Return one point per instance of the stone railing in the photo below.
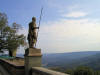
(44, 71)
(12, 69)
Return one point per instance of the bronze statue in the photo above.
(32, 36)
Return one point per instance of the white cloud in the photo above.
(23, 31)
(73, 7)
(75, 14)
(70, 35)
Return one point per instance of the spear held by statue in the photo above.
(39, 23)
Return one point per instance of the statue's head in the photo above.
(33, 19)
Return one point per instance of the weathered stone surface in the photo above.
(32, 59)
(3, 71)
(7, 68)
(11, 68)
(44, 71)
(33, 52)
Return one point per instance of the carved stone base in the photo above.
(33, 52)
(33, 58)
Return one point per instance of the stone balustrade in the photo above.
(13, 69)
(44, 71)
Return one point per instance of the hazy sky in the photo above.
(66, 26)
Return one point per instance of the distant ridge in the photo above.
(62, 59)
(90, 61)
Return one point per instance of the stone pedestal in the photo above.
(32, 59)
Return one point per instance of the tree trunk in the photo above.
(10, 53)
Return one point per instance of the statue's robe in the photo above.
(32, 34)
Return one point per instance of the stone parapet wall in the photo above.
(44, 71)
(11, 68)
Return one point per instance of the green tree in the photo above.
(3, 25)
(9, 37)
(83, 71)
(69, 71)
(14, 40)
(97, 73)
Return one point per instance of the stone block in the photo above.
(33, 58)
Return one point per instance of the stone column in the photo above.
(33, 58)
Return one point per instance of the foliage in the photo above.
(82, 70)
(9, 38)
(3, 25)
(69, 71)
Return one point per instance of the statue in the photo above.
(32, 36)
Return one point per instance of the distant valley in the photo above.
(73, 59)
